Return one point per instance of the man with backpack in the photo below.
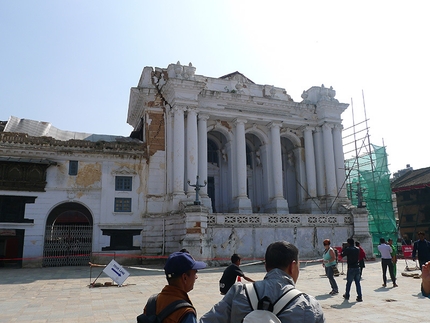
(275, 295)
(173, 305)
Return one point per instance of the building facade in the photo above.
(214, 165)
(412, 189)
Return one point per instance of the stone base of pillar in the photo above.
(195, 231)
(277, 206)
(310, 206)
(241, 205)
(361, 230)
(177, 201)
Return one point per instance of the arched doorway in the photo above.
(219, 172)
(68, 236)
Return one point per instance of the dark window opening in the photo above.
(73, 167)
(409, 217)
(12, 208)
(248, 157)
(212, 152)
(123, 183)
(211, 192)
(122, 204)
(121, 239)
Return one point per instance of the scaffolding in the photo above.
(368, 180)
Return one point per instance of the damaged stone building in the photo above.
(264, 166)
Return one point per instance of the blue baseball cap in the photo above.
(179, 263)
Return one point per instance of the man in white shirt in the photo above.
(386, 261)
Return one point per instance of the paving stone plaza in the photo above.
(62, 294)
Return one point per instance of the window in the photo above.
(73, 167)
(123, 183)
(212, 152)
(121, 239)
(122, 204)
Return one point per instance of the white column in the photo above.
(310, 162)
(329, 160)
(240, 158)
(178, 150)
(203, 152)
(275, 138)
(319, 156)
(339, 160)
(192, 151)
(300, 173)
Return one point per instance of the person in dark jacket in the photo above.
(231, 273)
(423, 248)
(353, 273)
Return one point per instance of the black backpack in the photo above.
(151, 317)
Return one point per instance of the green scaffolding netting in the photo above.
(368, 185)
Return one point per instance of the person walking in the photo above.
(386, 262)
(181, 274)
(282, 266)
(231, 273)
(329, 261)
(361, 258)
(393, 256)
(422, 246)
(353, 272)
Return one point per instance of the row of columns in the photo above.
(196, 149)
(324, 144)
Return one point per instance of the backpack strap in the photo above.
(251, 293)
(280, 305)
(151, 305)
(169, 309)
(285, 300)
(173, 307)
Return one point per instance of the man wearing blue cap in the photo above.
(181, 274)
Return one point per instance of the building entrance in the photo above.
(68, 236)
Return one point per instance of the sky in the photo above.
(72, 63)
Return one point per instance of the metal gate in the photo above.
(67, 245)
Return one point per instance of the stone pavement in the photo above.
(62, 294)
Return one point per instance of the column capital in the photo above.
(338, 126)
(274, 124)
(203, 117)
(328, 125)
(179, 109)
(239, 120)
(307, 128)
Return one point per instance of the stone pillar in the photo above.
(275, 138)
(178, 150)
(329, 160)
(240, 158)
(300, 173)
(192, 151)
(339, 160)
(278, 203)
(319, 156)
(242, 203)
(203, 152)
(310, 162)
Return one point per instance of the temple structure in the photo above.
(257, 149)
